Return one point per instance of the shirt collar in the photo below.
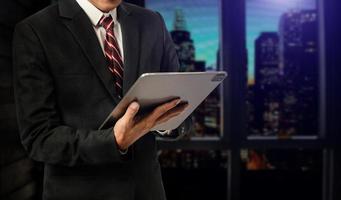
(94, 13)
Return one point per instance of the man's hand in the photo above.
(128, 128)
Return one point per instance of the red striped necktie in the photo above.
(112, 53)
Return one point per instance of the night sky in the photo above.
(202, 17)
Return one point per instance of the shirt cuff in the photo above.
(123, 152)
(164, 132)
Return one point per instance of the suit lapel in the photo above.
(131, 46)
(80, 26)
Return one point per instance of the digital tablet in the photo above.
(153, 89)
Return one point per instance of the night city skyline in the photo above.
(204, 28)
(261, 16)
(278, 37)
(184, 31)
(284, 99)
(264, 16)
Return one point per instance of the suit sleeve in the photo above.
(42, 132)
(170, 63)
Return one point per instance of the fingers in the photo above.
(172, 113)
(124, 137)
(162, 109)
(131, 111)
(165, 118)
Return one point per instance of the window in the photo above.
(194, 174)
(271, 48)
(283, 69)
(292, 173)
(194, 28)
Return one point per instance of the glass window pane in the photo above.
(283, 65)
(281, 174)
(196, 37)
(194, 174)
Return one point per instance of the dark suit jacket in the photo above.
(64, 91)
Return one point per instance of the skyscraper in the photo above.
(267, 94)
(299, 63)
(183, 42)
(207, 115)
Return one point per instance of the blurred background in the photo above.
(271, 131)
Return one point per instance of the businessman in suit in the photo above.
(73, 61)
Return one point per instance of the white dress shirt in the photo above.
(95, 15)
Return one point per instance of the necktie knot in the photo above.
(106, 22)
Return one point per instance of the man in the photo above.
(73, 61)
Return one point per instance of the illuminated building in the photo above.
(299, 63)
(267, 89)
(207, 115)
(183, 42)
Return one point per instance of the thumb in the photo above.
(131, 111)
